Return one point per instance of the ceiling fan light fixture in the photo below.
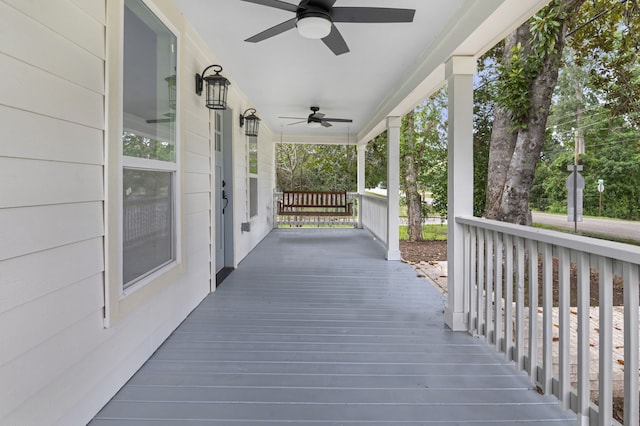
(314, 27)
(314, 124)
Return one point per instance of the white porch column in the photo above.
(459, 74)
(393, 187)
(362, 150)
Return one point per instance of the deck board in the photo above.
(315, 327)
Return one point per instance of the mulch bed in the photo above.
(430, 251)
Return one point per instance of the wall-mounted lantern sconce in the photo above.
(252, 122)
(171, 82)
(217, 87)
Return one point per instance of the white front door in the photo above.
(221, 192)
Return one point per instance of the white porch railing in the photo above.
(373, 211)
(498, 265)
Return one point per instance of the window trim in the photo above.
(120, 301)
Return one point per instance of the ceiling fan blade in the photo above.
(372, 14)
(273, 31)
(335, 42)
(325, 4)
(338, 120)
(293, 118)
(160, 120)
(275, 3)
(317, 115)
(171, 117)
(325, 124)
(297, 122)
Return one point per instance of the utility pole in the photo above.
(575, 187)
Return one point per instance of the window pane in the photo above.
(253, 197)
(147, 222)
(149, 85)
(253, 155)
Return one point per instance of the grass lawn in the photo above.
(429, 232)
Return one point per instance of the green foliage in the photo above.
(524, 63)
(484, 102)
(516, 79)
(612, 154)
(316, 167)
(134, 145)
(596, 99)
(608, 48)
(430, 150)
(376, 161)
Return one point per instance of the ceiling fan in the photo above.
(316, 18)
(317, 119)
(170, 118)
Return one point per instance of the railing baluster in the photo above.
(533, 310)
(508, 298)
(489, 286)
(497, 300)
(584, 379)
(474, 284)
(547, 319)
(630, 278)
(520, 256)
(482, 330)
(564, 267)
(605, 354)
(468, 286)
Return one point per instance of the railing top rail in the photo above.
(374, 197)
(610, 249)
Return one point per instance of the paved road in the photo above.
(617, 228)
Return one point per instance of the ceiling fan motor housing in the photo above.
(313, 21)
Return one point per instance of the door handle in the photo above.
(226, 200)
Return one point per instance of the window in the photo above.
(253, 176)
(149, 165)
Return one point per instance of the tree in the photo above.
(529, 68)
(376, 162)
(602, 71)
(606, 39)
(134, 145)
(483, 105)
(316, 167)
(423, 152)
(411, 152)
(290, 160)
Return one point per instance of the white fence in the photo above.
(373, 212)
(501, 259)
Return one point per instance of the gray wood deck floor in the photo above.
(316, 328)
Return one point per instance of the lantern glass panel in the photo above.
(252, 123)
(216, 92)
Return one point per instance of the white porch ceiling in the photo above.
(390, 68)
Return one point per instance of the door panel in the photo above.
(222, 197)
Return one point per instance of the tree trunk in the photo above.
(514, 154)
(410, 178)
